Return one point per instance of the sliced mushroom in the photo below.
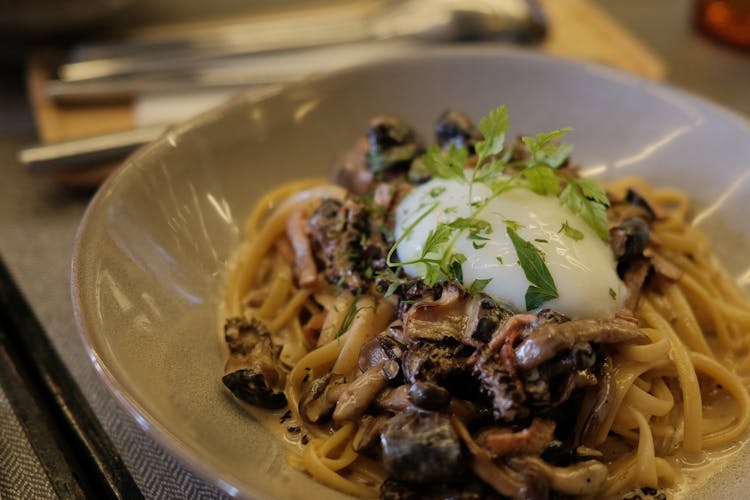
(583, 478)
(379, 350)
(437, 319)
(394, 399)
(318, 402)
(596, 405)
(253, 372)
(546, 340)
(358, 394)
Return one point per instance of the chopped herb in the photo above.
(437, 237)
(613, 294)
(542, 287)
(493, 127)
(448, 164)
(570, 231)
(478, 246)
(541, 240)
(478, 285)
(391, 289)
(437, 191)
(511, 224)
(588, 200)
(351, 312)
(456, 271)
(542, 179)
(499, 259)
(545, 150)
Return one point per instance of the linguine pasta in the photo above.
(680, 392)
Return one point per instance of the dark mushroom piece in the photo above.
(503, 389)
(346, 250)
(629, 238)
(485, 317)
(634, 198)
(429, 396)
(392, 145)
(253, 372)
(456, 128)
(421, 447)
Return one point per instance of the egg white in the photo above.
(584, 271)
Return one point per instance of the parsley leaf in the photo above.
(448, 164)
(542, 180)
(478, 285)
(542, 287)
(437, 237)
(456, 271)
(585, 198)
(613, 294)
(570, 231)
(545, 150)
(493, 128)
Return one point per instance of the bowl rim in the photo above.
(182, 450)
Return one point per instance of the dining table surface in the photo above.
(62, 433)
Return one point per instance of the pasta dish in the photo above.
(477, 320)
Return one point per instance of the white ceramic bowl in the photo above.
(152, 250)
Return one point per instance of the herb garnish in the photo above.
(351, 312)
(613, 294)
(478, 285)
(570, 231)
(542, 287)
(539, 172)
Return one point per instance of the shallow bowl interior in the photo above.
(153, 248)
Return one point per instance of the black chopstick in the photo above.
(69, 441)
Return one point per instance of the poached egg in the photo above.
(583, 269)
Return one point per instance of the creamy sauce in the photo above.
(583, 270)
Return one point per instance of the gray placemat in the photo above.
(38, 220)
(21, 474)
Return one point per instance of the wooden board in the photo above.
(578, 29)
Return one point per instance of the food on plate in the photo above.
(476, 319)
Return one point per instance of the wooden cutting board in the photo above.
(578, 29)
